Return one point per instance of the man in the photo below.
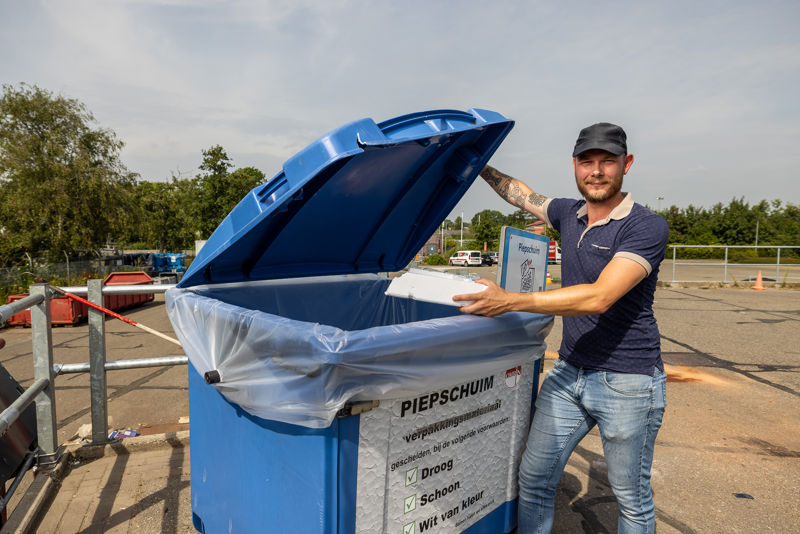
(609, 372)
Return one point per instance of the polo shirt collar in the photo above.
(620, 212)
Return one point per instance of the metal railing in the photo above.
(725, 263)
(42, 391)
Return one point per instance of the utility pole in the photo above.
(756, 231)
(461, 241)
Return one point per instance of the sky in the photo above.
(708, 92)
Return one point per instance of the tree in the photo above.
(486, 232)
(164, 219)
(494, 216)
(735, 224)
(786, 221)
(215, 162)
(519, 219)
(63, 186)
(220, 190)
(486, 228)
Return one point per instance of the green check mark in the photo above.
(409, 528)
(411, 476)
(410, 503)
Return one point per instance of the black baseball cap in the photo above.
(602, 136)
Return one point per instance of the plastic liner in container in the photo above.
(297, 350)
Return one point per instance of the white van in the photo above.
(466, 258)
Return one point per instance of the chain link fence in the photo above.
(15, 280)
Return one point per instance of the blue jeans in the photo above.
(627, 408)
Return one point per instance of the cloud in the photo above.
(706, 91)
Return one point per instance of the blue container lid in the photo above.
(363, 198)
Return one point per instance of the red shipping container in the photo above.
(65, 311)
(62, 311)
(123, 302)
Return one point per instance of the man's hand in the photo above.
(492, 301)
(619, 276)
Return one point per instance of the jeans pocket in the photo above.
(629, 384)
(660, 384)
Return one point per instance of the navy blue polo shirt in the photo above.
(625, 338)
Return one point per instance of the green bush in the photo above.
(697, 253)
(745, 255)
(435, 259)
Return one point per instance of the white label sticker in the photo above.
(526, 264)
(441, 461)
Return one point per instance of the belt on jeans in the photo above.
(579, 367)
(662, 371)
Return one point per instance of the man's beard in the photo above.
(615, 186)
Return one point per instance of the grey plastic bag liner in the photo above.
(297, 350)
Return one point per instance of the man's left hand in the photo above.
(492, 301)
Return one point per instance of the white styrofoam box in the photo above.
(433, 286)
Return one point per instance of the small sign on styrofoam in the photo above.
(433, 286)
(523, 260)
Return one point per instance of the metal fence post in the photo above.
(778, 268)
(674, 255)
(97, 363)
(725, 271)
(42, 336)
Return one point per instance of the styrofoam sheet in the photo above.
(433, 286)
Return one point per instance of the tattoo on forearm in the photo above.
(508, 188)
(516, 197)
(492, 176)
(502, 187)
(536, 199)
(498, 181)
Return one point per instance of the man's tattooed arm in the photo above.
(514, 191)
(536, 199)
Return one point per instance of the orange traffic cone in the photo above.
(759, 285)
(549, 280)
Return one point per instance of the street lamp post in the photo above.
(461, 241)
(756, 232)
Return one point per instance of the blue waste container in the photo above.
(169, 262)
(317, 402)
